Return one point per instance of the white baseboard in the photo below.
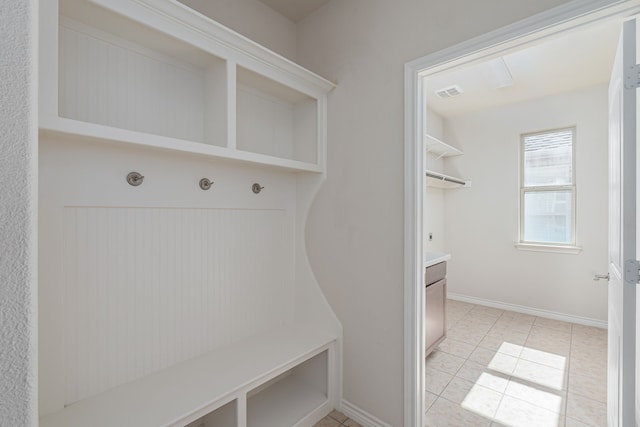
(361, 416)
(529, 310)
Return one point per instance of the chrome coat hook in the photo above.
(135, 178)
(256, 188)
(205, 183)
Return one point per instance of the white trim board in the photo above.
(361, 416)
(571, 15)
(530, 310)
(566, 17)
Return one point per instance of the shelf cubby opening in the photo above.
(291, 396)
(117, 73)
(275, 120)
(224, 416)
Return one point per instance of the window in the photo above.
(547, 188)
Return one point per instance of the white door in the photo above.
(622, 232)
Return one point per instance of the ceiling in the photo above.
(295, 10)
(564, 63)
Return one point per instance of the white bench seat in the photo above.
(197, 386)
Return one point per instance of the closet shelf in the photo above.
(56, 127)
(440, 180)
(439, 148)
(202, 384)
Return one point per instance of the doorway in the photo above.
(490, 47)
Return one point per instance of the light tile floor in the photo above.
(336, 419)
(501, 368)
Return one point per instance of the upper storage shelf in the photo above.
(274, 119)
(439, 148)
(155, 73)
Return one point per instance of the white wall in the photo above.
(18, 175)
(434, 220)
(434, 197)
(252, 19)
(355, 229)
(482, 221)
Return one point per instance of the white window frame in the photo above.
(549, 246)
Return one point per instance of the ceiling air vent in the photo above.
(448, 92)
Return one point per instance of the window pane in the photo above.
(548, 158)
(548, 216)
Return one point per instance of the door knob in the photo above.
(597, 277)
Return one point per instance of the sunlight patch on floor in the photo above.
(532, 390)
(498, 368)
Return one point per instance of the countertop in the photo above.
(432, 258)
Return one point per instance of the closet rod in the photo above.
(445, 178)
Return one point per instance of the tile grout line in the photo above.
(572, 335)
(476, 344)
(493, 417)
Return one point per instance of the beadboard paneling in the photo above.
(146, 288)
(116, 83)
(271, 123)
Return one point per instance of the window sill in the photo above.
(539, 247)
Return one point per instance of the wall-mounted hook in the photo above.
(205, 183)
(256, 188)
(134, 178)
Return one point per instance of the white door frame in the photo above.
(621, 372)
(568, 16)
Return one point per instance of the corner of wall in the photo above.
(18, 172)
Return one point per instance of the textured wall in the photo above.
(18, 386)
(355, 234)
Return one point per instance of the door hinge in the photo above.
(632, 77)
(632, 271)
